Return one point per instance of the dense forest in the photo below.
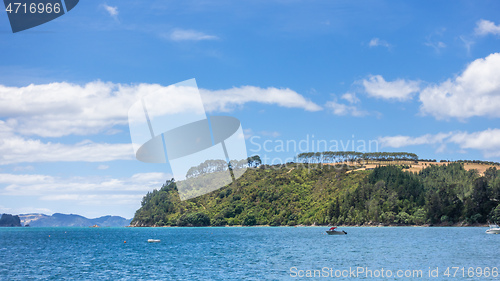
(9, 220)
(299, 194)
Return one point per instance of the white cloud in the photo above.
(102, 167)
(344, 109)
(189, 35)
(400, 89)
(83, 191)
(375, 42)
(95, 199)
(112, 11)
(488, 141)
(350, 97)
(16, 149)
(485, 27)
(401, 141)
(476, 92)
(24, 168)
(226, 100)
(45, 185)
(61, 109)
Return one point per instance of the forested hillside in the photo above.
(325, 194)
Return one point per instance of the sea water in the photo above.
(249, 253)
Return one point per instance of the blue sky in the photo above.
(416, 76)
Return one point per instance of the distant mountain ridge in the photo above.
(71, 220)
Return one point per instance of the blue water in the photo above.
(253, 253)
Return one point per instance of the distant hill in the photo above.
(9, 220)
(57, 219)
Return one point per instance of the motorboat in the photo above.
(154, 240)
(333, 231)
(494, 229)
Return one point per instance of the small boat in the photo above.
(494, 229)
(154, 240)
(332, 231)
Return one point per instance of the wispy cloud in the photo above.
(250, 133)
(436, 44)
(402, 141)
(85, 191)
(42, 185)
(272, 134)
(226, 100)
(375, 42)
(350, 97)
(487, 141)
(485, 27)
(16, 149)
(189, 35)
(112, 11)
(344, 109)
(467, 43)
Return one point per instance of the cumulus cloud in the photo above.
(485, 27)
(476, 92)
(400, 89)
(189, 35)
(375, 42)
(488, 141)
(60, 109)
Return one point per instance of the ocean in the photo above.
(249, 253)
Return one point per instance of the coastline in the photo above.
(340, 225)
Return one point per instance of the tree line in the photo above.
(218, 165)
(353, 156)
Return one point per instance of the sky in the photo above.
(413, 76)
